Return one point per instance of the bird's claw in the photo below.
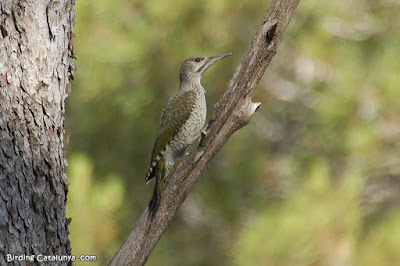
(203, 133)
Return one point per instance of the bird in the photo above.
(182, 121)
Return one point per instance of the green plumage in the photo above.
(181, 123)
(174, 116)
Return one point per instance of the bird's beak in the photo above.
(211, 61)
(219, 57)
(214, 59)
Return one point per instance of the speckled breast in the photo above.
(190, 131)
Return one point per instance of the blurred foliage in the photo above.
(92, 204)
(314, 179)
(318, 224)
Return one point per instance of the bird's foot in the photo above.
(203, 134)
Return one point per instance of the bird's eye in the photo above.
(197, 59)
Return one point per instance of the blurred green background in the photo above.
(314, 179)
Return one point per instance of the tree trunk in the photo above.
(231, 113)
(36, 51)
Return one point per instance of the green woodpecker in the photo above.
(181, 122)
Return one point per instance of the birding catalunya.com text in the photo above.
(47, 258)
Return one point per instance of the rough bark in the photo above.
(36, 65)
(232, 112)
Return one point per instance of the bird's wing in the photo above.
(174, 116)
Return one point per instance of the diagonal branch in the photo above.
(232, 112)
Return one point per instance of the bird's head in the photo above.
(194, 67)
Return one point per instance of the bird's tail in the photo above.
(159, 173)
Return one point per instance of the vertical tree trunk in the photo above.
(36, 50)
